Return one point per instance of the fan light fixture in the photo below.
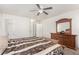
(32, 20)
(42, 9)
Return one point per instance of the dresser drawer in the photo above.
(67, 40)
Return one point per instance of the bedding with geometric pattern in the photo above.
(33, 46)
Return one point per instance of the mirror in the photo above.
(63, 25)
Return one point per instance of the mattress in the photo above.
(33, 47)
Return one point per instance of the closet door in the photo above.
(17, 28)
(9, 28)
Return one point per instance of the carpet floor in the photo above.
(68, 51)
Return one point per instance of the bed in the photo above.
(33, 46)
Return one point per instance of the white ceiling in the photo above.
(24, 9)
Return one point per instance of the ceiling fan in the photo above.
(41, 9)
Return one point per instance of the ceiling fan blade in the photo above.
(38, 13)
(47, 8)
(45, 12)
(33, 10)
(38, 6)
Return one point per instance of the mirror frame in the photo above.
(63, 21)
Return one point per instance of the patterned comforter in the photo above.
(36, 46)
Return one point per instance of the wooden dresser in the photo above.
(64, 39)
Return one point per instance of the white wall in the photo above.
(2, 26)
(45, 28)
(15, 26)
(49, 25)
